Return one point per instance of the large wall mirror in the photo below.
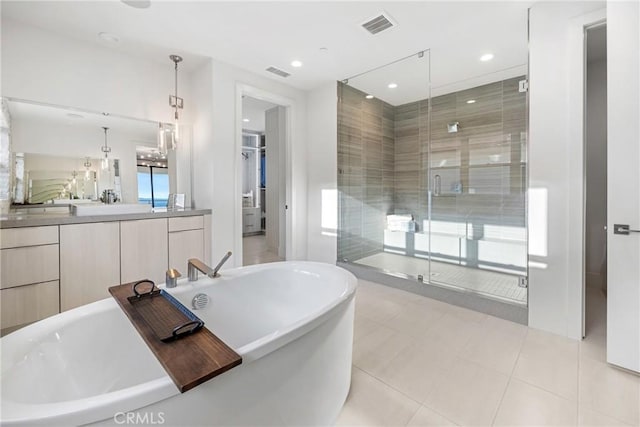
(54, 154)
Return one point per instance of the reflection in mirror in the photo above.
(153, 176)
(57, 154)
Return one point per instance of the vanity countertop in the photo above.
(14, 220)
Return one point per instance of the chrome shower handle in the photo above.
(437, 185)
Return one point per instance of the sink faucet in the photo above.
(194, 265)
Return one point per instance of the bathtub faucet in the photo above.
(194, 265)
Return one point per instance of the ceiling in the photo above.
(257, 35)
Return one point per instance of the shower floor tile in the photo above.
(501, 285)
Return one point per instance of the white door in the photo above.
(623, 205)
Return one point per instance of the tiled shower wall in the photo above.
(365, 172)
(384, 156)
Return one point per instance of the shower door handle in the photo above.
(623, 229)
(437, 185)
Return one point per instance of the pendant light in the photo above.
(106, 150)
(177, 103)
(87, 165)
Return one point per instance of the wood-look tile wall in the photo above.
(365, 172)
(384, 157)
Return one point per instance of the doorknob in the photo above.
(623, 229)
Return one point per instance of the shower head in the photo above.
(453, 127)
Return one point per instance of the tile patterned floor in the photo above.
(487, 282)
(255, 251)
(421, 362)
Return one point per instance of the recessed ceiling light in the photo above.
(369, 96)
(75, 116)
(245, 120)
(296, 63)
(138, 4)
(486, 57)
(324, 49)
(471, 101)
(109, 37)
(392, 85)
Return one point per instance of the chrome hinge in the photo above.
(523, 85)
(523, 282)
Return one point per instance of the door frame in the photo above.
(288, 104)
(576, 177)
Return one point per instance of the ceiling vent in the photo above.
(378, 24)
(278, 72)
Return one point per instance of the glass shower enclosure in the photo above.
(432, 181)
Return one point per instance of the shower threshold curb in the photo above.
(514, 312)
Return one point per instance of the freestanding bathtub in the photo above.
(292, 323)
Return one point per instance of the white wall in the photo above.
(322, 109)
(596, 177)
(42, 66)
(217, 130)
(555, 235)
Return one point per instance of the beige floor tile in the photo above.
(400, 296)
(610, 391)
(427, 417)
(255, 251)
(378, 309)
(539, 343)
(363, 326)
(594, 346)
(550, 372)
(467, 315)
(451, 331)
(527, 405)
(373, 403)
(377, 349)
(497, 346)
(415, 319)
(587, 417)
(417, 369)
(596, 311)
(468, 394)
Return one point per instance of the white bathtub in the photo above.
(292, 323)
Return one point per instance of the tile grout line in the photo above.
(493, 421)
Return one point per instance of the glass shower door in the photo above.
(477, 183)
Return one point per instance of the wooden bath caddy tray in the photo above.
(161, 320)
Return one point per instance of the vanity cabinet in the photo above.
(48, 269)
(186, 240)
(144, 250)
(89, 262)
(29, 275)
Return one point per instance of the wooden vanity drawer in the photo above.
(186, 223)
(28, 236)
(31, 264)
(26, 304)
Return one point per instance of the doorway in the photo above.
(595, 215)
(264, 129)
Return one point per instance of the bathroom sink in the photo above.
(112, 209)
